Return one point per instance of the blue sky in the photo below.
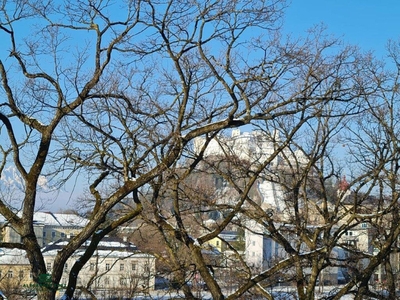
(367, 23)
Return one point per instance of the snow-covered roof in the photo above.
(55, 219)
(109, 244)
(59, 219)
(115, 254)
(106, 243)
(110, 247)
(13, 257)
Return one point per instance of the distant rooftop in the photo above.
(59, 219)
(13, 257)
(113, 246)
(107, 243)
(55, 219)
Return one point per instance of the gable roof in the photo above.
(13, 257)
(109, 244)
(55, 219)
(59, 219)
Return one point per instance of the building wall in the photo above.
(121, 271)
(216, 243)
(112, 270)
(9, 235)
(55, 233)
(251, 146)
(15, 273)
(254, 250)
(261, 251)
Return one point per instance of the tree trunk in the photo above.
(46, 294)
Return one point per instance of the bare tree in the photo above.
(114, 95)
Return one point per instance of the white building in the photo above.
(261, 251)
(252, 146)
(257, 148)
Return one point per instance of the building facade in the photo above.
(49, 227)
(116, 268)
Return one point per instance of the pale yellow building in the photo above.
(117, 268)
(15, 272)
(49, 227)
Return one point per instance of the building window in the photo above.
(66, 267)
(121, 267)
(91, 267)
(352, 243)
(146, 268)
(44, 233)
(253, 243)
(10, 274)
(62, 234)
(364, 225)
(53, 234)
(106, 281)
(21, 274)
(217, 243)
(133, 267)
(122, 281)
(48, 266)
(107, 267)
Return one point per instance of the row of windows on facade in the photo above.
(10, 274)
(108, 266)
(122, 281)
(53, 234)
(53, 237)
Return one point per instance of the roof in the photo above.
(13, 257)
(55, 219)
(108, 244)
(229, 236)
(59, 219)
(109, 247)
